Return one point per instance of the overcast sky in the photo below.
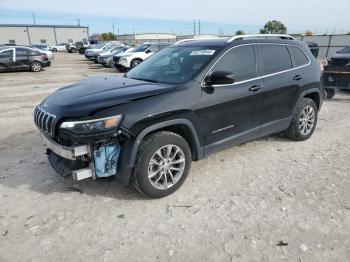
(297, 15)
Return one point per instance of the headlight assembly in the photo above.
(92, 126)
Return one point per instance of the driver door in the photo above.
(231, 114)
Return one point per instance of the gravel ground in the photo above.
(267, 200)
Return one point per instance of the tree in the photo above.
(240, 32)
(107, 36)
(274, 27)
(309, 33)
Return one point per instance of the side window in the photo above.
(161, 47)
(240, 61)
(6, 54)
(299, 57)
(22, 52)
(153, 48)
(275, 58)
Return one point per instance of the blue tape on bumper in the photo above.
(106, 161)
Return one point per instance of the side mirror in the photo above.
(338, 52)
(219, 78)
(148, 51)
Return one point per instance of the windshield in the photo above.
(174, 65)
(141, 48)
(346, 50)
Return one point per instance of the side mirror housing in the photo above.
(220, 78)
(148, 51)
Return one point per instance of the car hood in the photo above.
(95, 93)
(107, 54)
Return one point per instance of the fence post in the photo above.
(329, 44)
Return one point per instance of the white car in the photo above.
(137, 55)
(59, 48)
(44, 49)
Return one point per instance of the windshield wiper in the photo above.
(146, 80)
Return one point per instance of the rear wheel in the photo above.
(36, 66)
(163, 163)
(304, 121)
(54, 49)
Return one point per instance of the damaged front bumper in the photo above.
(83, 161)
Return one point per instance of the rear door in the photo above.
(281, 86)
(23, 58)
(231, 113)
(7, 58)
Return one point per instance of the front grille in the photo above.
(116, 59)
(44, 120)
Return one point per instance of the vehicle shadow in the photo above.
(24, 165)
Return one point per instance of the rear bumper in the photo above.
(336, 80)
(46, 63)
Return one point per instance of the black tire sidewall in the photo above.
(132, 64)
(330, 93)
(147, 151)
(304, 103)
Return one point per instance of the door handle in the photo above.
(255, 88)
(298, 77)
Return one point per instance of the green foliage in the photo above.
(309, 33)
(274, 27)
(107, 36)
(240, 32)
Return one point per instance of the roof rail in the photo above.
(193, 39)
(278, 36)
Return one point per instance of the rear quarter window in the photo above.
(275, 58)
(299, 56)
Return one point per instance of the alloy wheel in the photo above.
(307, 120)
(36, 67)
(166, 167)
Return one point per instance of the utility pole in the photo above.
(113, 31)
(194, 27)
(199, 26)
(78, 22)
(34, 18)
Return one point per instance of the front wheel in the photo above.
(135, 63)
(36, 67)
(304, 121)
(163, 163)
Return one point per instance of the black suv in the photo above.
(337, 72)
(181, 104)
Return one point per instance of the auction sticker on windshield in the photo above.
(203, 52)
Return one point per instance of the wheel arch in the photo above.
(182, 127)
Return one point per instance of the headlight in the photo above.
(92, 126)
(123, 61)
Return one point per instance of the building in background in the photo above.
(135, 39)
(42, 34)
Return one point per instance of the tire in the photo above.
(330, 93)
(36, 66)
(304, 121)
(156, 183)
(135, 63)
(54, 49)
